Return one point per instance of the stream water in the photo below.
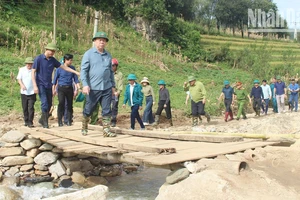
(141, 185)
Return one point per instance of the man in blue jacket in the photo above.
(258, 96)
(134, 96)
(98, 82)
(293, 100)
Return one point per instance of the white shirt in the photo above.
(25, 76)
(131, 93)
(266, 91)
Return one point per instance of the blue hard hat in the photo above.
(161, 82)
(131, 77)
(226, 82)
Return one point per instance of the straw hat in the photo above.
(145, 80)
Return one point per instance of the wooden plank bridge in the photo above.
(153, 148)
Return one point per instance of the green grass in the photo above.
(135, 54)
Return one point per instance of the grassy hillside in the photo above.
(24, 36)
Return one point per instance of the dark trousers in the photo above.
(135, 115)
(65, 94)
(148, 116)
(114, 108)
(160, 108)
(95, 97)
(45, 95)
(197, 108)
(265, 106)
(228, 103)
(256, 104)
(28, 107)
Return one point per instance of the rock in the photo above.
(41, 167)
(66, 183)
(46, 147)
(41, 173)
(7, 193)
(38, 179)
(55, 176)
(16, 160)
(68, 172)
(11, 172)
(68, 154)
(26, 167)
(77, 165)
(8, 144)
(31, 143)
(95, 161)
(82, 156)
(9, 181)
(128, 169)
(78, 177)
(1, 174)
(177, 176)
(13, 136)
(99, 192)
(65, 177)
(111, 171)
(32, 152)
(47, 185)
(57, 168)
(57, 150)
(12, 151)
(46, 158)
(92, 181)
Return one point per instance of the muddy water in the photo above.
(143, 185)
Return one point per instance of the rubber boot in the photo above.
(226, 116)
(106, 128)
(41, 120)
(46, 118)
(85, 122)
(171, 122)
(113, 122)
(207, 117)
(156, 120)
(59, 117)
(194, 121)
(258, 113)
(231, 116)
(69, 116)
(200, 119)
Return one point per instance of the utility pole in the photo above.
(95, 24)
(54, 21)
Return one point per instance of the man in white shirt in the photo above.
(27, 93)
(267, 96)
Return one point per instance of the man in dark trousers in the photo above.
(65, 90)
(42, 70)
(258, 97)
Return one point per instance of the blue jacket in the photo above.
(137, 96)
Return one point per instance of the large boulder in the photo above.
(7, 193)
(31, 143)
(98, 192)
(57, 168)
(13, 136)
(12, 151)
(77, 165)
(46, 158)
(177, 176)
(16, 160)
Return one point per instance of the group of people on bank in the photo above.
(102, 84)
(260, 97)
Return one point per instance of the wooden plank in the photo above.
(57, 140)
(199, 153)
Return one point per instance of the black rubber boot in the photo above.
(69, 115)
(59, 118)
(46, 117)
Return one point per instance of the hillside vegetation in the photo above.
(221, 58)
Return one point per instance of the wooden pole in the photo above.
(54, 21)
(95, 24)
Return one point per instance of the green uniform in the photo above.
(118, 81)
(241, 96)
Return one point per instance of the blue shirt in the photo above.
(96, 71)
(228, 92)
(257, 92)
(44, 68)
(65, 78)
(294, 87)
(279, 88)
